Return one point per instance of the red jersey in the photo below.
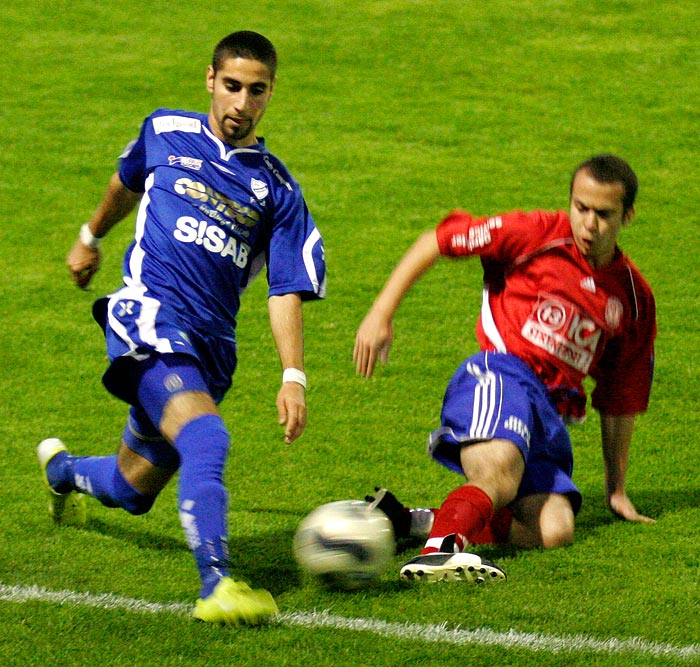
(544, 303)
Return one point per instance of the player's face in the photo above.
(240, 91)
(597, 214)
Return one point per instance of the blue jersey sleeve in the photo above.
(296, 257)
(132, 162)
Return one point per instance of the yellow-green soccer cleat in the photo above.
(235, 603)
(64, 508)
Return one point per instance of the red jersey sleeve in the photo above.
(501, 238)
(624, 372)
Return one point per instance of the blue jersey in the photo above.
(210, 216)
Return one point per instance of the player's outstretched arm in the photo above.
(616, 434)
(375, 335)
(84, 258)
(286, 323)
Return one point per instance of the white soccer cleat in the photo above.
(463, 567)
(64, 508)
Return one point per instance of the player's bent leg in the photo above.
(543, 520)
(493, 470)
(131, 480)
(101, 477)
(146, 478)
(146, 459)
(190, 420)
(202, 442)
(97, 476)
(65, 506)
(496, 467)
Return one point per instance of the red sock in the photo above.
(497, 531)
(465, 513)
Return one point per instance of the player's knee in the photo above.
(557, 534)
(130, 498)
(138, 504)
(203, 445)
(183, 409)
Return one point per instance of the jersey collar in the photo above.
(226, 152)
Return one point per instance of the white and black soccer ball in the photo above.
(346, 544)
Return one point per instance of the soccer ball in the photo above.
(345, 544)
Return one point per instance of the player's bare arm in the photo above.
(84, 258)
(375, 335)
(286, 323)
(616, 435)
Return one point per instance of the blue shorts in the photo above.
(138, 329)
(494, 395)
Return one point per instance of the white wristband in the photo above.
(88, 238)
(294, 375)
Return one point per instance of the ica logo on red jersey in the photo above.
(564, 331)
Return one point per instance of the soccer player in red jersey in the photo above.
(561, 302)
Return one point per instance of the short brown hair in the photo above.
(245, 44)
(608, 168)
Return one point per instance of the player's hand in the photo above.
(372, 342)
(83, 263)
(291, 408)
(622, 506)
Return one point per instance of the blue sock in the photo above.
(202, 499)
(99, 477)
(59, 472)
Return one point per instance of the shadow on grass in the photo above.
(143, 539)
(655, 504)
(266, 558)
(263, 559)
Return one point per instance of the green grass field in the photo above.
(389, 114)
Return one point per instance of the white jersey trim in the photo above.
(225, 154)
(488, 403)
(488, 323)
(307, 253)
(137, 253)
(146, 322)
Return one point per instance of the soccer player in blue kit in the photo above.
(214, 206)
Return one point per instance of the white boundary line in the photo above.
(438, 634)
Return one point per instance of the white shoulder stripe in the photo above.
(634, 292)
(307, 253)
(137, 253)
(488, 323)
